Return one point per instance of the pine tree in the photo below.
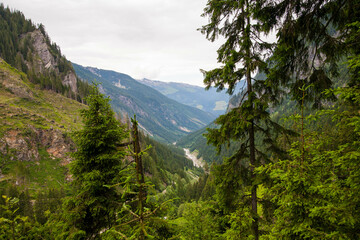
(243, 53)
(97, 163)
(316, 188)
(311, 45)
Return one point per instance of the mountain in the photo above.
(159, 116)
(40, 102)
(34, 131)
(35, 137)
(207, 100)
(29, 49)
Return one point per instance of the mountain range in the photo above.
(210, 100)
(162, 118)
(40, 101)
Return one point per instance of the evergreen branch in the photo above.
(126, 223)
(154, 211)
(121, 234)
(320, 35)
(262, 41)
(124, 144)
(127, 165)
(242, 99)
(129, 210)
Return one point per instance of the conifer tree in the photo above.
(97, 163)
(243, 53)
(316, 188)
(139, 216)
(311, 44)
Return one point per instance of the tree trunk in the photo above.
(255, 223)
(139, 177)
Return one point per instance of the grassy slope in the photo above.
(23, 108)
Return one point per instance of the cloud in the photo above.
(142, 38)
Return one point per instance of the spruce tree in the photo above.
(316, 188)
(97, 162)
(242, 55)
(312, 43)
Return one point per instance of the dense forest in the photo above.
(291, 168)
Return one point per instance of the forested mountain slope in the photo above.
(210, 100)
(29, 49)
(159, 116)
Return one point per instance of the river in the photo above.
(193, 158)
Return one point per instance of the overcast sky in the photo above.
(155, 39)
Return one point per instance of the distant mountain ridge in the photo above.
(207, 100)
(159, 116)
(40, 102)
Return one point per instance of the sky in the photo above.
(154, 39)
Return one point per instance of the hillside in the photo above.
(35, 137)
(207, 100)
(34, 129)
(38, 111)
(28, 48)
(159, 116)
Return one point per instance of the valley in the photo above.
(88, 153)
(159, 116)
(193, 157)
(210, 100)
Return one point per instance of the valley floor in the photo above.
(193, 157)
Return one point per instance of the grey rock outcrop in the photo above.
(70, 80)
(45, 61)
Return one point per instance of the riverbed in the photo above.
(193, 158)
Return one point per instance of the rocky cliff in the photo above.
(45, 61)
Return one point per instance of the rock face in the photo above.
(18, 145)
(44, 61)
(70, 80)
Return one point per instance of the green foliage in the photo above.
(316, 194)
(97, 162)
(26, 217)
(199, 220)
(13, 226)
